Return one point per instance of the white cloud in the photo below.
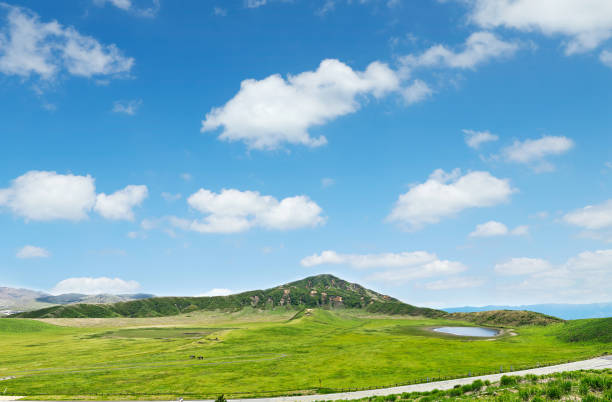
(399, 266)
(217, 292)
(475, 138)
(363, 261)
(255, 3)
(327, 182)
(534, 152)
(479, 48)
(584, 278)
(327, 7)
(149, 10)
(444, 195)
(494, 228)
(186, 176)
(170, 197)
(489, 229)
(416, 92)
(591, 216)
(434, 268)
(454, 283)
(127, 107)
(220, 11)
(31, 47)
(45, 196)
(586, 23)
(94, 286)
(522, 266)
(606, 58)
(32, 252)
(118, 206)
(232, 211)
(522, 230)
(270, 112)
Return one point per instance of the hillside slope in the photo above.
(507, 318)
(322, 291)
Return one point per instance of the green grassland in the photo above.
(588, 386)
(264, 352)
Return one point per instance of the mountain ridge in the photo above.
(320, 291)
(565, 311)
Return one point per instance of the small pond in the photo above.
(468, 331)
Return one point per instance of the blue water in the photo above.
(468, 331)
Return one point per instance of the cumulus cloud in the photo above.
(591, 216)
(32, 252)
(119, 205)
(269, 112)
(606, 58)
(479, 48)
(416, 92)
(46, 196)
(584, 278)
(399, 266)
(364, 261)
(534, 152)
(146, 8)
(446, 194)
(433, 268)
(30, 47)
(454, 283)
(232, 211)
(475, 138)
(494, 228)
(585, 23)
(217, 292)
(94, 286)
(522, 266)
(127, 107)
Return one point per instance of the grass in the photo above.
(589, 331)
(593, 386)
(256, 353)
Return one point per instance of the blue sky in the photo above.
(443, 152)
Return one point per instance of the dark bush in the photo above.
(477, 385)
(553, 391)
(508, 380)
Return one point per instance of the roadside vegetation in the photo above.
(588, 386)
(265, 353)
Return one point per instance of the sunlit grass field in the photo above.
(253, 353)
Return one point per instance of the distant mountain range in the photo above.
(12, 299)
(565, 311)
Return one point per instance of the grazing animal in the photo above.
(200, 357)
(192, 357)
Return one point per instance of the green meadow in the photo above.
(264, 353)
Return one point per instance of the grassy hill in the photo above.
(321, 291)
(506, 318)
(592, 330)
